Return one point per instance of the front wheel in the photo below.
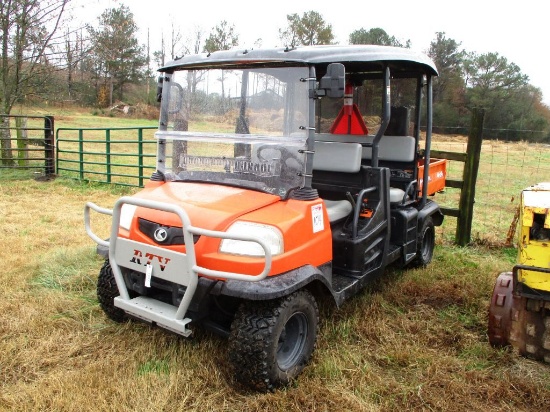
(272, 341)
(107, 291)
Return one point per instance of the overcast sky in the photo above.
(516, 30)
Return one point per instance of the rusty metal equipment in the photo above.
(519, 314)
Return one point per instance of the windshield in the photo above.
(245, 127)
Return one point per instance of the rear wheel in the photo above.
(107, 291)
(530, 328)
(425, 243)
(272, 341)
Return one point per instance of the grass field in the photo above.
(415, 341)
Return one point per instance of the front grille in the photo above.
(173, 234)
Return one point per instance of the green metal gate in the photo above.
(121, 155)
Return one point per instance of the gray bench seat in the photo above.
(345, 157)
(390, 148)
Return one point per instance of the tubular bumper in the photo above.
(180, 268)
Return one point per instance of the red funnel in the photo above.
(349, 120)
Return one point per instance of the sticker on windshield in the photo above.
(317, 218)
(230, 165)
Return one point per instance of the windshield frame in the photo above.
(254, 172)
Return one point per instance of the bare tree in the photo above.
(193, 45)
(181, 46)
(27, 33)
(178, 44)
(74, 55)
(160, 55)
(222, 37)
(175, 43)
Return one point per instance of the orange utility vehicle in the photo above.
(283, 176)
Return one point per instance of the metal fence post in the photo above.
(49, 145)
(81, 152)
(140, 156)
(108, 153)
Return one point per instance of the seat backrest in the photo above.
(393, 149)
(390, 148)
(337, 157)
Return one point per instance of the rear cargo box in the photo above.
(438, 174)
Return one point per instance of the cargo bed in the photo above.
(438, 174)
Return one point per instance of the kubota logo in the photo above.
(148, 259)
(160, 234)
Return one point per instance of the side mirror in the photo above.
(334, 81)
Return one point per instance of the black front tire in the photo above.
(272, 341)
(425, 243)
(107, 291)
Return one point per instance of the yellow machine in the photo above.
(519, 314)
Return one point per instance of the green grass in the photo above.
(159, 367)
(7, 175)
(68, 270)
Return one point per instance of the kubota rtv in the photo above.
(283, 176)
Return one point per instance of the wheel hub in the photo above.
(292, 340)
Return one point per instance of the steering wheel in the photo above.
(290, 163)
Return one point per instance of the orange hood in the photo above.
(209, 206)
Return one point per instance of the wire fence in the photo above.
(27, 143)
(505, 169)
(509, 135)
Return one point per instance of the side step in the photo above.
(156, 312)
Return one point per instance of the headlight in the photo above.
(269, 234)
(126, 215)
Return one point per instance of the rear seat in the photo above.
(337, 157)
(390, 148)
(401, 149)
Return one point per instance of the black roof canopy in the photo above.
(356, 58)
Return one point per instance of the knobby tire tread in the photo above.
(252, 336)
(107, 290)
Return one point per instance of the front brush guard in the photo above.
(174, 266)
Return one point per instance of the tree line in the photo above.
(42, 58)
